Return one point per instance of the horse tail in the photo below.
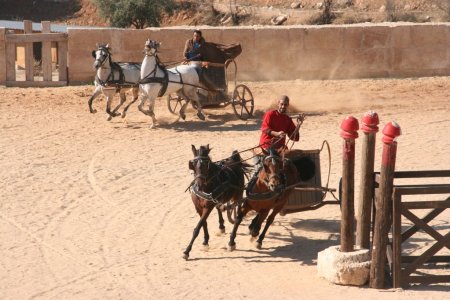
(239, 164)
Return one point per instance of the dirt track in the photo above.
(96, 209)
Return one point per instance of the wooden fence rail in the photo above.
(404, 266)
(26, 40)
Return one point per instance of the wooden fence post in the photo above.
(349, 133)
(46, 53)
(29, 58)
(370, 128)
(2, 56)
(383, 205)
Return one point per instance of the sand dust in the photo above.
(92, 209)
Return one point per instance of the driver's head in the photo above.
(283, 103)
(197, 35)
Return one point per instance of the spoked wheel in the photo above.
(174, 103)
(243, 102)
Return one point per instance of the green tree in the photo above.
(137, 13)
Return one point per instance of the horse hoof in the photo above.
(123, 115)
(201, 116)
(220, 232)
(109, 118)
(205, 248)
(93, 111)
(258, 245)
(183, 116)
(231, 247)
(186, 256)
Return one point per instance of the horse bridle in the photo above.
(200, 160)
(268, 177)
(105, 54)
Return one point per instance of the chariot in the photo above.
(219, 88)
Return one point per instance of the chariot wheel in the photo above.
(243, 102)
(174, 103)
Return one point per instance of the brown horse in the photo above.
(268, 190)
(215, 184)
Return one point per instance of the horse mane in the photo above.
(236, 163)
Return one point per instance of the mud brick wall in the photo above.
(287, 52)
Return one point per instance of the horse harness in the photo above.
(224, 186)
(267, 195)
(110, 80)
(164, 81)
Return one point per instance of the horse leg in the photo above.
(109, 98)
(221, 221)
(200, 114)
(97, 92)
(262, 215)
(204, 215)
(269, 222)
(205, 235)
(240, 216)
(151, 112)
(183, 107)
(113, 113)
(135, 97)
(123, 98)
(254, 227)
(141, 104)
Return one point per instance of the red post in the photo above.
(383, 205)
(349, 133)
(370, 128)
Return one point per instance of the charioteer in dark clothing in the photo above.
(194, 53)
(193, 47)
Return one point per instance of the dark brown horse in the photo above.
(268, 190)
(215, 184)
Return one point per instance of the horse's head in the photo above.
(151, 47)
(101, 55)
(271, 172)
(201, 165)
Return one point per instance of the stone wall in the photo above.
(286, 52)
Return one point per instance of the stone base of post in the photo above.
(344, 268)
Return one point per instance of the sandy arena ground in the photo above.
(92, 209)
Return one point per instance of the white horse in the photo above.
(157, 81)
(112, 78)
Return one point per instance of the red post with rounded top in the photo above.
(349, 132)
(383, 205)
(369, 126)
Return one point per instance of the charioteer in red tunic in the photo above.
(277, 125)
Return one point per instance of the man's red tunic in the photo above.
(275, 121)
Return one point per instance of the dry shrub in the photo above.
(326, 16)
